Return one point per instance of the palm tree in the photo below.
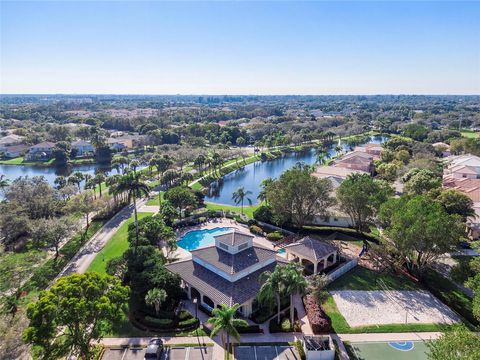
(240, 195)
(112, 184)
(88, 184)
(99, 179)
(155, 297)
(273, 286)
(135, 188)
(262, 196)
(60, 182)
(295, 283)
(76, 178)
(224, 322)
(134, 164)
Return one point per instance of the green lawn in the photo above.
(469, 133)
(450, 294)
(14, 161)
(20, 161)
(247, 210)
(154, 200)
(364, 279)
(115, 247)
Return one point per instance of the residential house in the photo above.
(462, 173)
(14, 151)
(336, 175)
(372, 149)
(42, 151)
(227, 272)
(126, 142)
(82, 148)
(10, 140)
(357, 160)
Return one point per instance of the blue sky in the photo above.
(240, 47)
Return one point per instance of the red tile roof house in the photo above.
(463, 174)
(227, 272)
(357, 160)
(42, 151)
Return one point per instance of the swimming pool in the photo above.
(200, 238)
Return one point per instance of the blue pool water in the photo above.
(200, 238)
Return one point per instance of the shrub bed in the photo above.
(319, 320)
(249, 329)
(254, 229)
(275, 236)
(285, 324)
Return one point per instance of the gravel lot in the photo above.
(361, 308)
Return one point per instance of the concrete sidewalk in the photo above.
(82, 260)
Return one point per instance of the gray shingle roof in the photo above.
(234, 238)
(216, 287)
(312, 248)
(234, 263)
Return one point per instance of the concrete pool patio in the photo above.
(363, 308)
(181, 253)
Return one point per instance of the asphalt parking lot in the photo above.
(266, 353)
(170, 353)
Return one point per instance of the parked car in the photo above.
(154, 349)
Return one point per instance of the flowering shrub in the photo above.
(319, 320)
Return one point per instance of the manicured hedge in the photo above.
(158, 323)
(249, 329)
(274, 236)
(254, 229)
(319, 320)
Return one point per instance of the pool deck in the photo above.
(181, 254)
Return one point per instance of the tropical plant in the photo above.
(99, 179)
(295, 284)
(262, 196)
(316, 287)
(135, 189)
(273, 287)
(76, 178)
(225, 323)
(155, 297)
(240, 195)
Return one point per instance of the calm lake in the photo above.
(253, 174)
(12, 172)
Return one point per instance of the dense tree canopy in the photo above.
(360, 197)
(419, 230)
(297, 196)
(73, 313)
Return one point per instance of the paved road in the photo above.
(82, 260)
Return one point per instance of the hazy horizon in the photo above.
(235, 48)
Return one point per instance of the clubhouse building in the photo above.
(227, 272)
